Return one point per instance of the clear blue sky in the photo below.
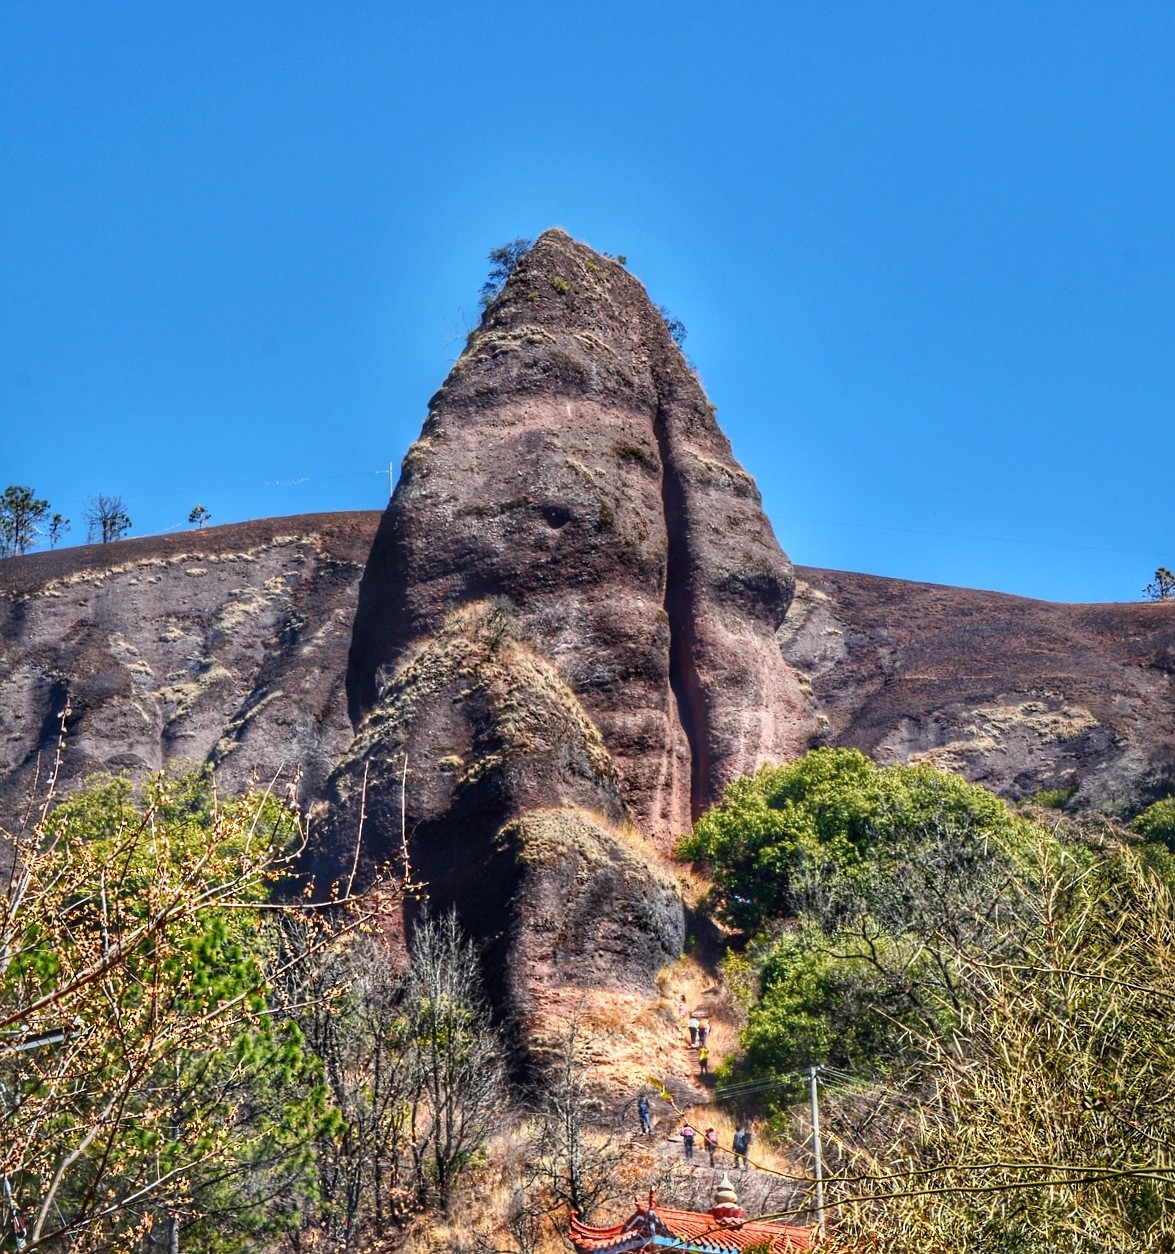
(925, 253)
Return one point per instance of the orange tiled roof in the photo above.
(664, 1227)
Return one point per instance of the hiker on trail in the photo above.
(687, 1139)
(748, 1137)
(703, 1032)
(693, 1030)
(704, 1061)
(711, 1144)
(739, 1146)
(642, 1109)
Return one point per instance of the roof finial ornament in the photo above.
(724, 1194)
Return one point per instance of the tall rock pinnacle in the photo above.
(565, 638)
(572, 467)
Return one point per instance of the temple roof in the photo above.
(718, 1231)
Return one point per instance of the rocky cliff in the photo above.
(569, 630)
(226, 645)
(567, 624)
(1017, 695)
(572, 465)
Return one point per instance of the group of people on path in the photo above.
(699, 1032)
(741, 1145)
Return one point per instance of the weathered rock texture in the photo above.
(572, 465)
(567, 623)
(570, 635)
(1018, 695)
(227, 645)
(514, 814)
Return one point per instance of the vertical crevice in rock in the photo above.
(684, 683)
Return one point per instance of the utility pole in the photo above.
(812, 1071)
(391, 479)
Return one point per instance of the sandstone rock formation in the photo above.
(226, 644)
(568, 636)
(567, 625)
(1015, 694)
(572, 464)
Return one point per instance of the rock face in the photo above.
(572, 631)
(1015, 694)
(226, 645)
(571, 464)
(567, 622)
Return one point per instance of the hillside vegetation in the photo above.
(192, 1062)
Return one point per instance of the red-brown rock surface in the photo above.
(1018, 695)
(571, 464)
(227, 644)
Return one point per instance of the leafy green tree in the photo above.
(199, 515)
(176, 1103)
(21, 515)
(833, 836)
(845, 1001)
(503, 262)
(859, 885)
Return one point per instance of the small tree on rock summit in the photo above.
(503, 262)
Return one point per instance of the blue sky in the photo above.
(924, 253)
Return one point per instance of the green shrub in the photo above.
(1157, 823)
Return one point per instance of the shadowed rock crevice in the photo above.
(684, 683)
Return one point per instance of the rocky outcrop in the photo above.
(571, 632)
(567, 625)
(572, 466)
(512, 813)
(1015, 694)
(225, 645)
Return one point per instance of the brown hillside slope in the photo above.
(1016, 694)
(226, 644)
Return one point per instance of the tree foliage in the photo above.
(1043, 1121)
(674, 326)
(991, 1000)
(106, 518)
(171, 1096)
(21, 516)
(835, 837)
(503, 262)
(1157, 823)
(1162, 587)
(58, 526)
